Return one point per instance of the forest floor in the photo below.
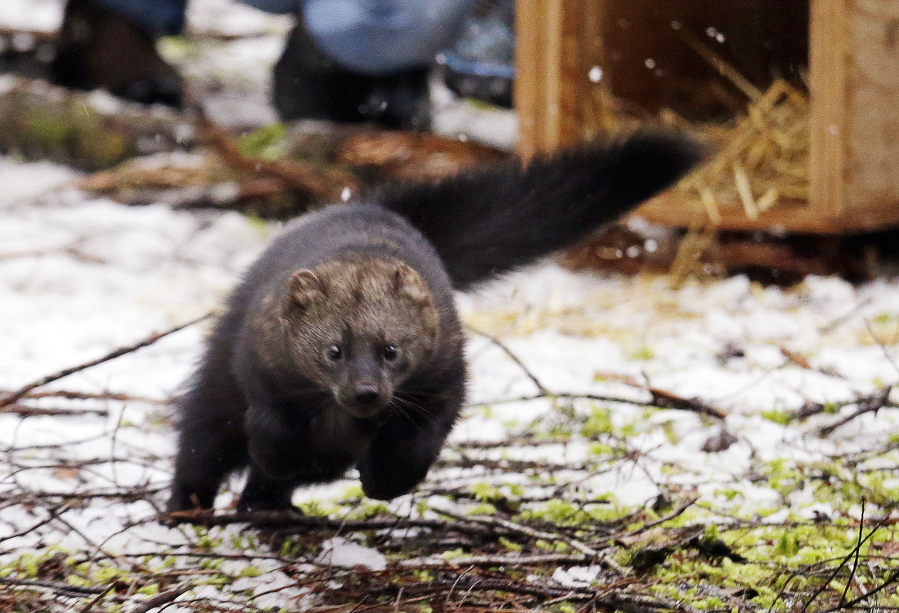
(630, 443)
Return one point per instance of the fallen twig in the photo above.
(24, 411)
(660, 399)
(24, 391)
(73, 395)
(665, 399)
(673, 514)
(163, 598)
(294, 519)
(93, 601)
(540, 387)
(53, 586)
(320, 184)
(520, 529)
(869, 404)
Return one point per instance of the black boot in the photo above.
(480, 63)
(98, 48)
(310, 85)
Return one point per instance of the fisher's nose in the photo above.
(366, 394)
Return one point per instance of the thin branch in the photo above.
(660, 399)
(856, 552)
(883, 348)
(870, 404)
(845, 606)
(73, 395)
(93, 601)
(543, 391)
(843, 562)
(294, 519)
(675, 513)
(520, 529)
(23, 391)
(24, 411)
(163, 598)
(53, 514)
(54, 586)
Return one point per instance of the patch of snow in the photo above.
(36, 15)
(576, 576)
(338, 551)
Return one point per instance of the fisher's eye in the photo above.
(334, 352)
(389, 353)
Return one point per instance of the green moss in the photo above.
(107, 574)
(485, 492)
(453, 553)
(250, 571)
(291, 548)
(598, 423)
(552, 546)
(778, 416)
(640, 353)
(509, 544)
(481, 509)
(50, 130)
(628, 430)
(601, 449)
(787, 545)
(150, 589)
(211, 563)
(670, 432)
(317, 508)
(560, 512)
(205, 540)
(265, 142)
(369, 510)
(730, 494)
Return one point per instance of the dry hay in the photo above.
(759, 161)
(760, 158)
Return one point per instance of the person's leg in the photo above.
(158, 17)
(111, 44)
(362, 60)
(379, 37)
(376, 37)
(308, 84)
(480, 64)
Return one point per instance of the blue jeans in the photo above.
(367, 36)
(161, 17)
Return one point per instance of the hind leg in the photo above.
(205, 458)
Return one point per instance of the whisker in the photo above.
(408, 407)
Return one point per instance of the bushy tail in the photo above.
(488, 221)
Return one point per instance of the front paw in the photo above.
(190, 499)
(268, 501)
(384, 485)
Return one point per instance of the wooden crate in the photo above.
(854, 122)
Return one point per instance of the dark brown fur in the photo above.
(342, 346)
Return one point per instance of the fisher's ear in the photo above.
(409, 284)
(304, 289)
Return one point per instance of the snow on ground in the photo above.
(80, 277)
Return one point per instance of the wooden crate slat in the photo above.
(854, 122)
(872, 144)
(828, 63)
(556, 45)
